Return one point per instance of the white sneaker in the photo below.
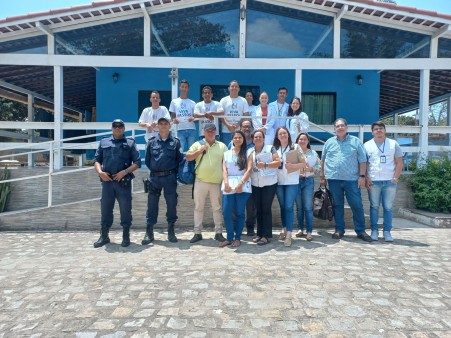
(387, 236)
(374, 235)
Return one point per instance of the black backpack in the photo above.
(322, 204)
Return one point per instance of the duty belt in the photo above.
(163, 173)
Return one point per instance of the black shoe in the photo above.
(250, 232)
(219, 237)
(148, 238)
(196, 238)
(125, 237)
(337, 235)
(365, 237)
(103, 239)
(171, 233)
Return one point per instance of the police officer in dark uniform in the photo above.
(115, 160)
(163, 155)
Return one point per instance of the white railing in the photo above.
(132, 128)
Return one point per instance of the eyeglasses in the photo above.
(118, 126)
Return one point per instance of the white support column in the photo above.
(434, 48)
(174, 75)
(30, 131)
(58, 90)
(298, 83)
(423, 118)
(147, 30)
(243, 20)
(337, 29)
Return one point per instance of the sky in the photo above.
(20, 7)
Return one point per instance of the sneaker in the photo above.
(374, 235)
(300, 234)
(387, 236)
(219, 237)
(196, 238)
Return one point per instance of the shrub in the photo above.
(431, 185)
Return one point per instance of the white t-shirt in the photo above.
(183, 109)
(153, 115)
(232, 109)
(202, 108)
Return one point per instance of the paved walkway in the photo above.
(58, 285)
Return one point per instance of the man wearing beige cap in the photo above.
(208, 156)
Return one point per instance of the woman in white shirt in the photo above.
(287, 179)
(299, 120)
(264, 185)
(306, 186)
(236, 188)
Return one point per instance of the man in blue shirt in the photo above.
(163, 156)
(343, 165)
(115, 160)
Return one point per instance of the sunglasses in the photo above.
(118, 126)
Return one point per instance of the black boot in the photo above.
(103, 239)
(125, 237)
(148, 238)
(171, 233)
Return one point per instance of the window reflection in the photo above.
(117, 38)
(204, 31)
(362, 40)
(274, 31)
(34, 45)
(444, 48)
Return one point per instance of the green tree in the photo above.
(12, 111)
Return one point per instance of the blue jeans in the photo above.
(226, 138)
(286, 194)
(110, 192)
(385, 192)
(234, 203)
(187, 138)
(304, 200)
(338, 189)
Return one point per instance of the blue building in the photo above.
(362, 60)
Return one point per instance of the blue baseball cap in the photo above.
(118, 121)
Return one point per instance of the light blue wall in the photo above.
(358, 104)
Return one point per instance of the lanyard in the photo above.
(383, 148)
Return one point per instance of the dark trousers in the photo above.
(263, 198)
(169, 185)
(110, 192)
(251, 213)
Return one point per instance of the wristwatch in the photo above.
(126, 171)
(363, 176)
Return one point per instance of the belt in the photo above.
(163, 173)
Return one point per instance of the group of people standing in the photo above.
(257, 158)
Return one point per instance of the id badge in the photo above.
(383, 159)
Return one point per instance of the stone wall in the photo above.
(80, 192)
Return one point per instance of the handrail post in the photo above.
(50, 192)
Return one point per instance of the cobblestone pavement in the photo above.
(57, 285)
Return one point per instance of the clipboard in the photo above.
(294, 157)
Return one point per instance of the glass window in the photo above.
(320, 107)
(362, 40)
(34, 45)
(203, 31)
(124, 38)
(281, 32)
(444, 48)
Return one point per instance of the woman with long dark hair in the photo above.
(287, 180)
(236, 188)
(264, 185)
(306, 186)
(299, 120)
